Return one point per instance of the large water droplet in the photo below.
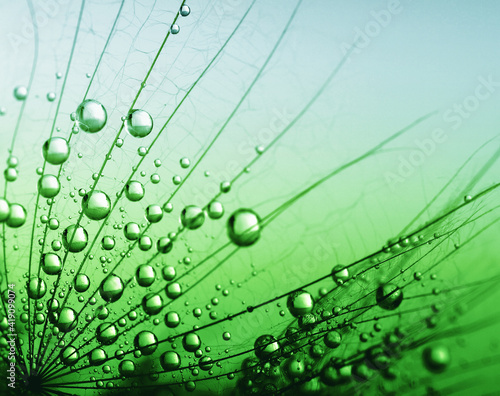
(51, 264)
(20, 92)
(172, 319)
(173, 290)
(243, 227)
(215, 210)
(4, 210)
(185, 10)
(134, 191)
(17, 216)
(154, 213)
(332, 339)
(191, 342)
(36, 288)
(192, 217)
(55, 150)
(69, 356)
(97, 357)
(152, 304)
(111, 288)
(75, 238)
(170, 361)
(126, 368)
(300, 303)
(132, 231)
(67, 320)
(146, 342)
(436, 358)
(265, 346)
(106, 333)
(96, 205)
(389, 296)
(108, 242)
(168, 272)
(164, 245)
(139, 123)
(340, 274)
(145, 243)
(91, 116)
(81, 283)
(49, 186)
(145, 275)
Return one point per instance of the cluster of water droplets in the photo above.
(87, 317)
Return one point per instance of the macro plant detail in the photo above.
(245, 197)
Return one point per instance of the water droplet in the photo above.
(173, 290)
(55, 150)
(67, 320)
(215, 210)
(243, 227)
(168, 273)
(170, 361)
(436, 358)
(340, 274)
(96, 205)
(132, 231)
(300, 303)
(36, 288)
(20, 92)
(69, 356)
(265, 346)
(191, 342)
(172, 319)
(205, 363)
(185, 162)
(108, 242)
(111, 288)
(145, 275)
(164, 245)
(185, 10)
(106, 333)
(17, 216)
(145, 243)
(97, 357)
(154, 213)
(139, 123)
(49, 186)
(12, 161)
(51, 264)
(10, 174)
(225, 187)
(81, 283)
(174, 29)
(126, 368)
(134, 191)
(389, 296)
(146, 342)
(91, 116)
(152, 304)
(4, 210)
(192, 217)
(75, 238)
